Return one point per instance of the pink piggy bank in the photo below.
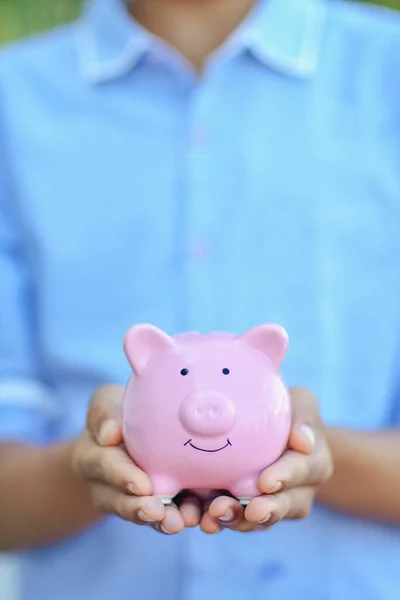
(206, 411)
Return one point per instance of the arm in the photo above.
(41, 498)
(366, 479)
(50, 493)
(47, 490)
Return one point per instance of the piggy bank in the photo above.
(206, 411)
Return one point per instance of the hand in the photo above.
(116, 485)
(289, 486)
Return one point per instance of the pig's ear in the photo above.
(141, 342)
(271, 340)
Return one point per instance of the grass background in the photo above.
(24, 17)
(19, 18)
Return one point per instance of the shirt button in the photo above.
(198, 250)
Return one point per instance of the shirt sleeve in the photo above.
(28, 410)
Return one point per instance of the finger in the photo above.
(191, 508)
(227, 511)
(139, 510)
(208, 524)
(105, 415)
(294, 469)
(113, 467)
(291, 470)
(306, 420)
(292, 504)
(302, 438)
(172, 522)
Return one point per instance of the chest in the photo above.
(220, 209)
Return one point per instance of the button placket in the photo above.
(200, 211)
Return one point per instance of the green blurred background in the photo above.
(23, 17)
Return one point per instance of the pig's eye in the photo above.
(184, 372)
(226, 371)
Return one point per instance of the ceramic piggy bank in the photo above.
(206, 411)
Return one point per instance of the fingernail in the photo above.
(144, 518)
(308, 434)
(108, 430)
(228, 516)
(162, 529)
(276, 488)
(132, 489)
(266, 521)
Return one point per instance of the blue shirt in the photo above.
(268, 190)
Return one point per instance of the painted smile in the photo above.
(204, 449)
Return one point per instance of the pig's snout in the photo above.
(207, 413)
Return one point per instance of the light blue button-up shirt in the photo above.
(269, 190)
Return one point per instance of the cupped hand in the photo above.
(116, 484)
(289, 486)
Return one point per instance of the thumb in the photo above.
(306, 421)
(104, 420)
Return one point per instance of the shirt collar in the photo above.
(285, 35)
(110, 42)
